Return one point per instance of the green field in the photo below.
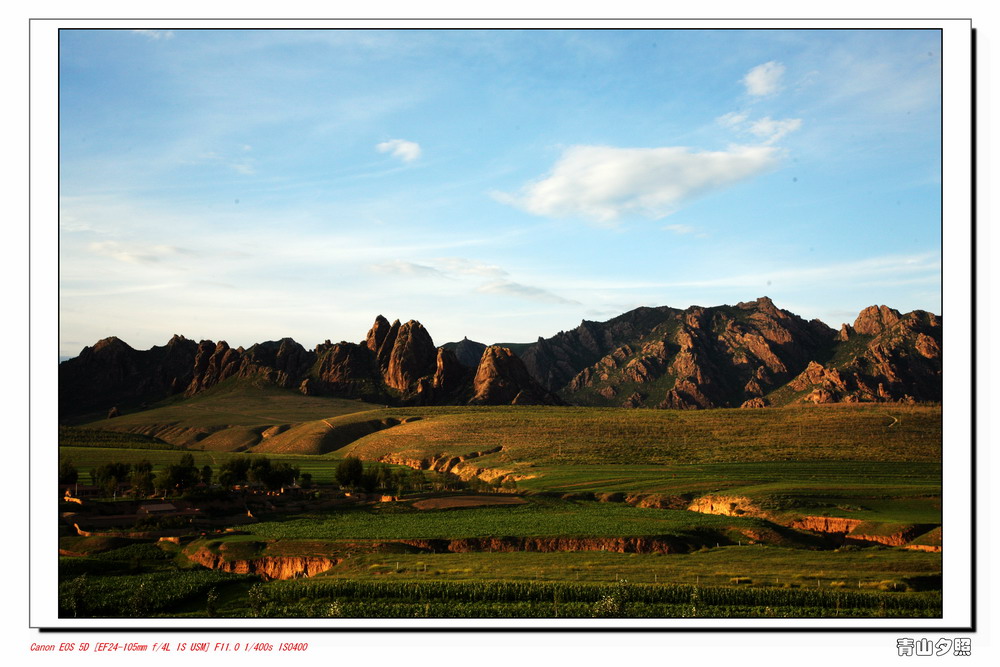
(538, 517)
(588, 476)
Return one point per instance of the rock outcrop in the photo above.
(502, 378)
(726, 356)
(396, 364)
(884, 357)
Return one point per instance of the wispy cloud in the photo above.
(468, 267)
(407, 151)
(603, 183)
(453, 268)
(870, 271)
(680, 229)
(764, 79)
(524, 291)
(768, 130)
(155, 34)
(136, 253)
(772, 130)
(402, 267)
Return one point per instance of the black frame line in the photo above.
(973, 514)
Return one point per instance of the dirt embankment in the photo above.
(458, 465)
(728, 506)
(826, 524)
(641, 545)
(269, 567)
(856, 531)
(840, 529)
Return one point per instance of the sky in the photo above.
(248, 185)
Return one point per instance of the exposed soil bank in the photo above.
(841, 530)
(269, 567)
(728, 506)
(855, 531)
(458, 465)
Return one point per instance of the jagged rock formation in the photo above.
(752, 355)
(884, 356)
(112, 373)
(555, 361)
(395, 364)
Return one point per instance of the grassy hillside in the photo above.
(237, 403)
(535, 436)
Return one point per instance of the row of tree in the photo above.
(183, 475)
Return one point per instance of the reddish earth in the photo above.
(270, 567)
(467, 501)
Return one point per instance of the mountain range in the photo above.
(750, 355)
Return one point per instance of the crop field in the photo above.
(849, 569)
(711, 582)
(539, 517)
(358, 599)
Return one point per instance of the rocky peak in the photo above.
(764, 305)
(385, 348)
(469, 352)
(378, 332)
(873, 320)
(413, 356)
(502, 378)
(450, 375)
(109, 345)
(177, 339)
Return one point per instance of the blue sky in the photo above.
(501, 185)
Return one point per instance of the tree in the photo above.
(179, 476)
(68, 473)
(234, 471)
(206, 474)
(109, 475)
(350, 472)
(141, 481)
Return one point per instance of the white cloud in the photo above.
(764, 79)
(524, 292)
(407, 151)
(603, 183)
(155, 34)
(773, 130)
